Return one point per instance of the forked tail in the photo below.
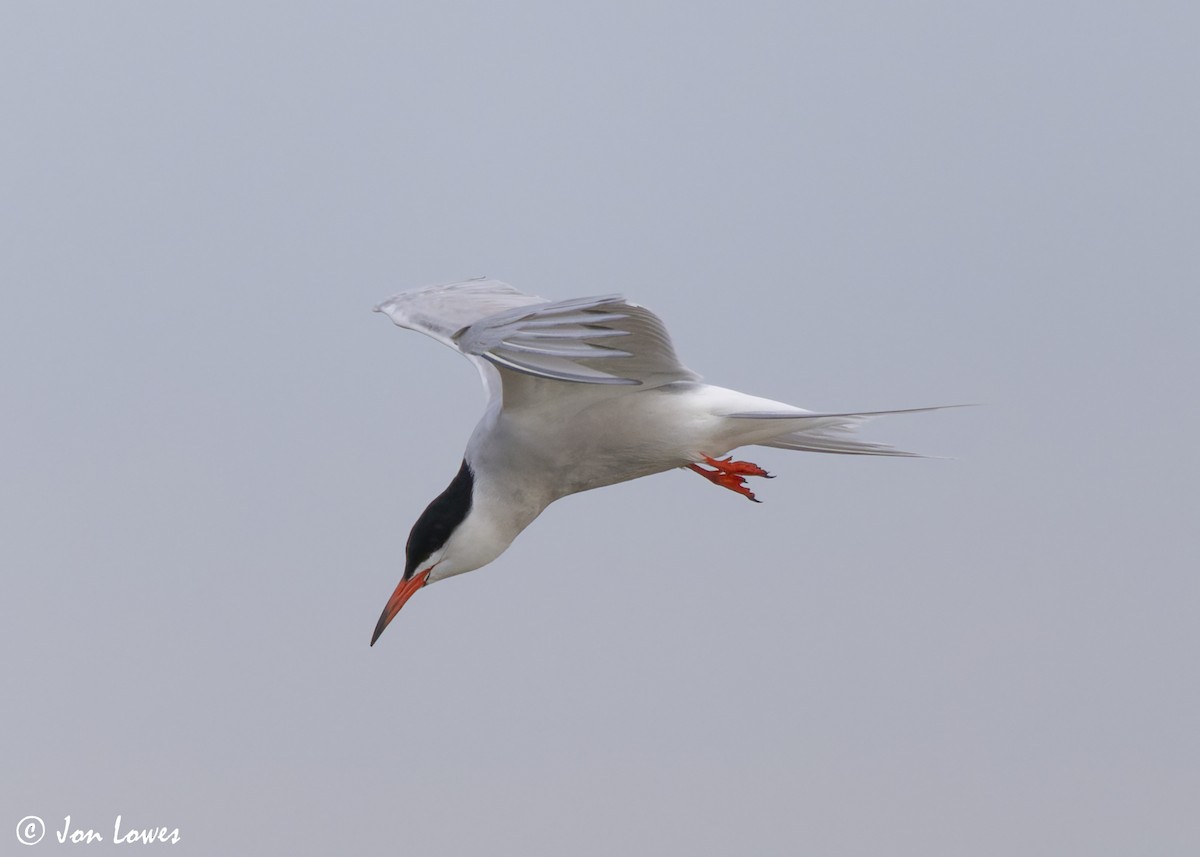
(831, 432)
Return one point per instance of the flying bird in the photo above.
(582, 393)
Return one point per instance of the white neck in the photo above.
(499, 512)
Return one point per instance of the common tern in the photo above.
(582, 393)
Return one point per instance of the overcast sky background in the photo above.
(213, 451)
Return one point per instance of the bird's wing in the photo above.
(442, 311)
(600, 340)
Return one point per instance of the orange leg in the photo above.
(731, 474)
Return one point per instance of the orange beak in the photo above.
(403, 592)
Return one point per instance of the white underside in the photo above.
(568, 446)
(527, 458)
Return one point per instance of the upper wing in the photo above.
(442, 311)
(601, 340)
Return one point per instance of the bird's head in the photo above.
(467, 526)
(429, 543)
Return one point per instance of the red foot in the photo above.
(730, 474)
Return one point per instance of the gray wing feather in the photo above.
(557, 341)
(523, 341)
(442, 311)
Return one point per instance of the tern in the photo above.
(582, 393)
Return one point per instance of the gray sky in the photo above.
(213, 451)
